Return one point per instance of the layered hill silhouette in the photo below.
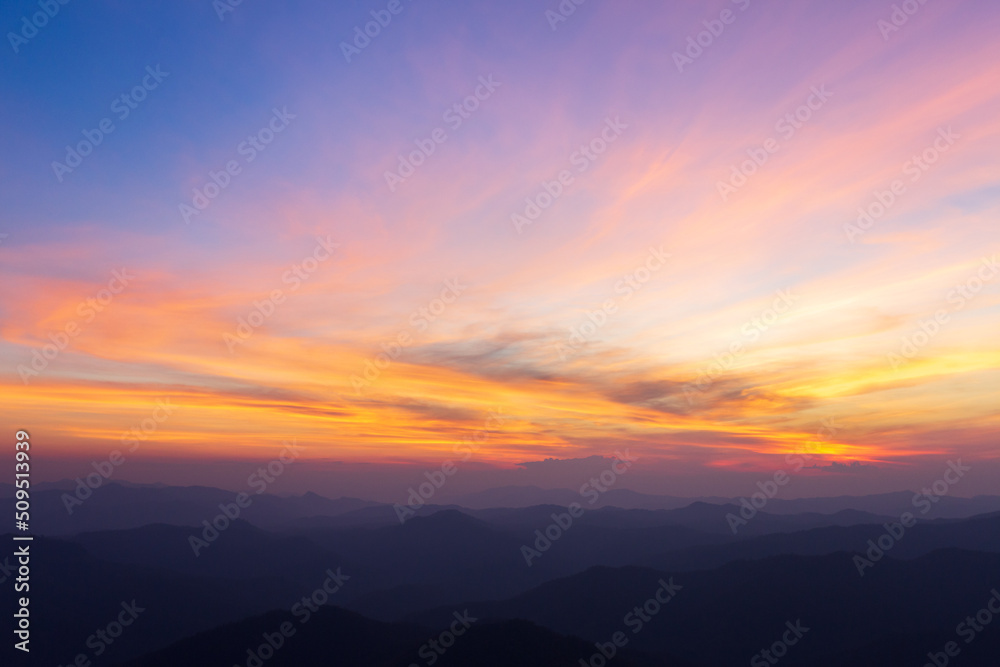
(339, 638)
(546, 587)
(74, 595)
(975, 534)
(436, 559)
(727, 615)
(59, 510)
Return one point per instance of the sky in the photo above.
(519, 236)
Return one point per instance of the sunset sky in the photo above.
(723, 319)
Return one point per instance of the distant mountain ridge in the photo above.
(119, 505)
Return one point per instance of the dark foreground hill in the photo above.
(894, 615)
(335, 637)
(900, 611)
(75, 597)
